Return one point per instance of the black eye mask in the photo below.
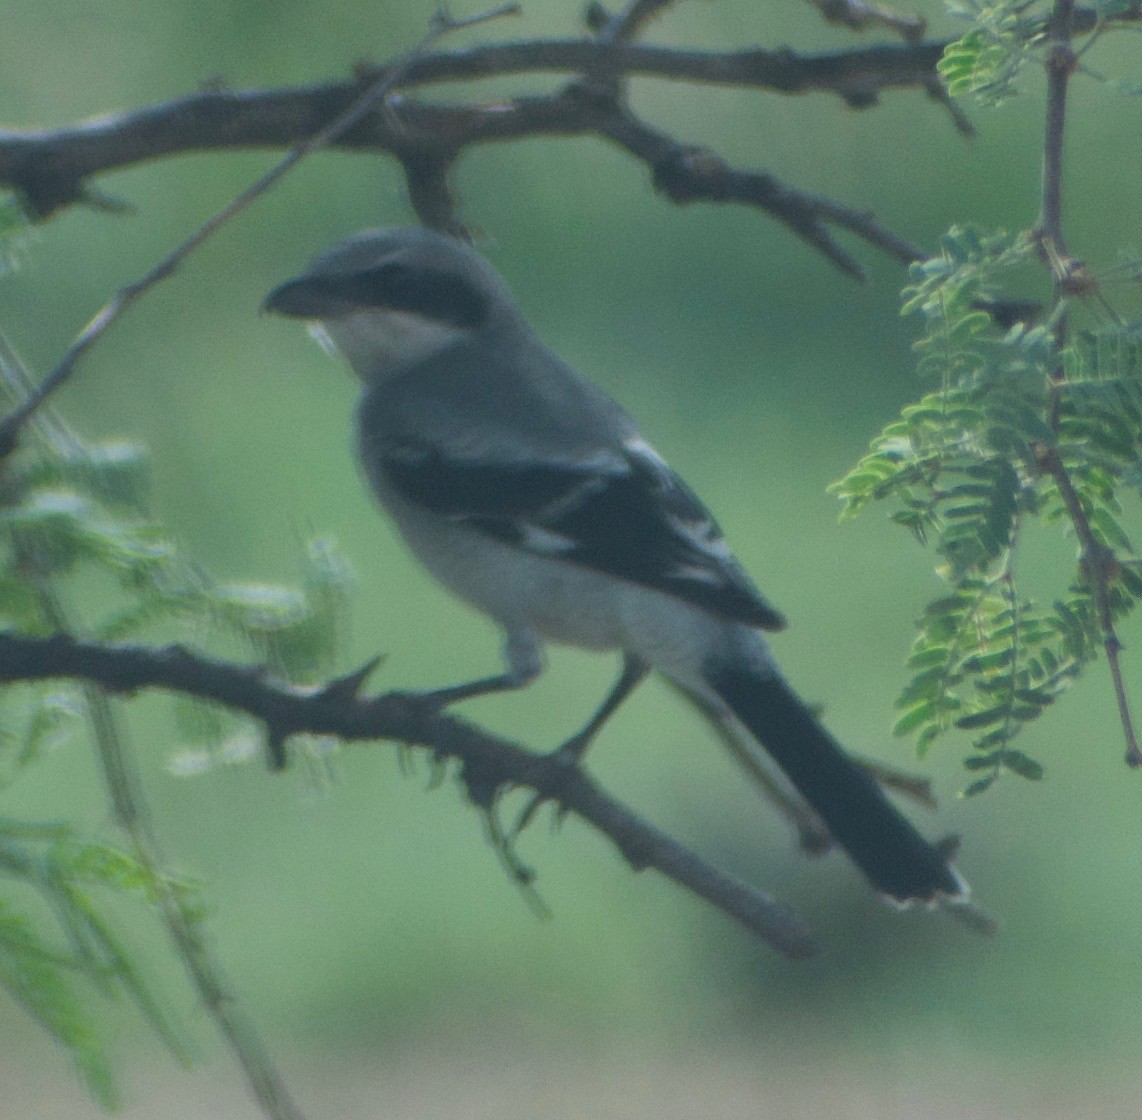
(442, 297)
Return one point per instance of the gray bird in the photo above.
(531, 494)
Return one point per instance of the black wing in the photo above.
(626, 514)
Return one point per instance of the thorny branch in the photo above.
(489, 765)
(52, 169)
(1070, 278)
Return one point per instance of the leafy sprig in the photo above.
(986, 61)
(963, 468)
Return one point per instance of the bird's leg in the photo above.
(571, 752)
(524, 657)
(633, 674)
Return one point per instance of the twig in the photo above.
(627, 23)
(689, 174)
(363, 104)
(1097, 560)
(1060, 64)
(488, 763)
(812, 836)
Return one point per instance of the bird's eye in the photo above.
(444, 297)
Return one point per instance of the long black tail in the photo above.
(896, 859)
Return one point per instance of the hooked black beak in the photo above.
(307, 297)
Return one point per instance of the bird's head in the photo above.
(386, 297)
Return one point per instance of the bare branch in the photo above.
(689, 174)
(489, 765)
(781, 70)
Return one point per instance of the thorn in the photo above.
(566, 758)
(815, 233)
(521, 874)
(596, 17)
(349, 686)
(106, 203)
(276, 757)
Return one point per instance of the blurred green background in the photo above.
(367, 926)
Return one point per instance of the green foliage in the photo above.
(52, 976)
(986, 61)
(79, 510)
(965, 468)
(74, 524)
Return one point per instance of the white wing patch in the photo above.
(703, 531)
(640, 449)
(541, 540)
(707, 575)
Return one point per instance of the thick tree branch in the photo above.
(489, 765)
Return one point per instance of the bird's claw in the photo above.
(567, 758)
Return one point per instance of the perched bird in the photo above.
(530, 493)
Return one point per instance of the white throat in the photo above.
(377, 343)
